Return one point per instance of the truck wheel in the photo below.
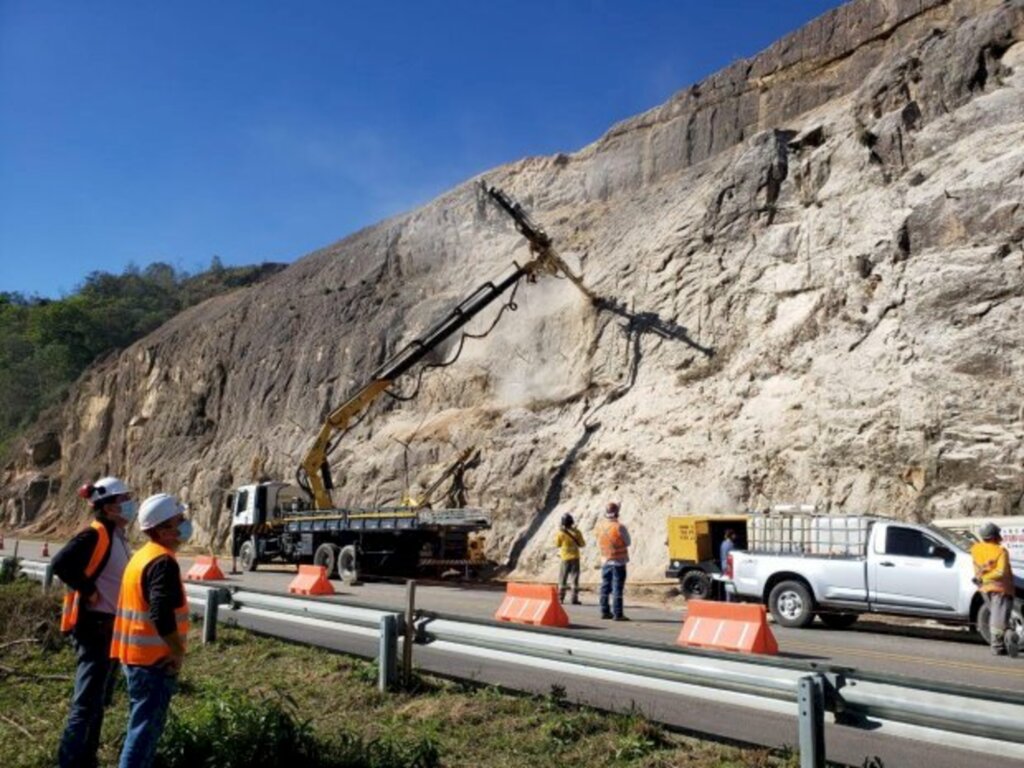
(791, 604)
(981, 624)
(838, 620)
(348, 564)
(327, 556)
(247, 556)
(695, 584)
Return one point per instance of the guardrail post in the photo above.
(213, 598)
(387, 659)
(47, 577)
(811, 706)
(409, 635)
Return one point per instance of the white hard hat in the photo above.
(159, 509)
(103, 489)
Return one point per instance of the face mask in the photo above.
(184, 531)
(128, 510)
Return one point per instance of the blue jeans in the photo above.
(81, 738)
(613, 581)
(149, 696)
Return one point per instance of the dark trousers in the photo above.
(149, 696)
(613, 581)
(569, 578)
(81, 738)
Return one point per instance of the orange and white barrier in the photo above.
(205, 568)
(535, 604)
(312, 580)
(741, 627)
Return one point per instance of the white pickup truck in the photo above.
(836, 568)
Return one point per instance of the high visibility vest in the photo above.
(69, 612)
(569, 543)
(992, 567)
(136, 640)
(610, 541)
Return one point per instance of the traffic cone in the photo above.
(46, 549)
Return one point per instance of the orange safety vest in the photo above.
(136, 640)
(69, 612)
(610, 541)
(992, 567)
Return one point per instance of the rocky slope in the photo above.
(813, 271)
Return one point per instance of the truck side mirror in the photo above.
(229, 503)
(937, 550)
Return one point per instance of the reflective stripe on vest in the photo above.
(136, 640)
(610, 541)
(69, 613)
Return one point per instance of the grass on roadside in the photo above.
(254, 701)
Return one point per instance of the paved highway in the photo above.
(894, 649)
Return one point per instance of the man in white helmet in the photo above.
(91, 565)
(151, 626)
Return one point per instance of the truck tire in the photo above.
(348, 564)
(695, 584)
(838, 620)
(327, 556)
(791, 604)
(247, 555)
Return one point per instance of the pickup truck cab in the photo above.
(866, 565)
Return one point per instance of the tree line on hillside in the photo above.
(45, 344)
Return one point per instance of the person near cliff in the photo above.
(613, 541)
(151, 626)
(994, 578)
(569, 540)
(91, 565)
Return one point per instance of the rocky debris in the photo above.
(811, 271)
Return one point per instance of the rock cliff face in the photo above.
(812, 266)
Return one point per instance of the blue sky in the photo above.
(133, 132)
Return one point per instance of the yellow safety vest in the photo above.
(992, 566)
(136, 640)
(69, 611)
(569, 543)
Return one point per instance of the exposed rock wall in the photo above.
(812, 272)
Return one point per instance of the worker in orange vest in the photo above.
(994, 578)
(91, 565)
(613, 541)
(151, 626)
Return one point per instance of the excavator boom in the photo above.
(314, 472)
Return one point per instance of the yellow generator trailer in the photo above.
(694, 544)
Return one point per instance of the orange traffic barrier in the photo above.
(46, 549)
(532, 604)
(312, 580)
(739, 627)
(205, 568)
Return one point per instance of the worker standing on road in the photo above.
(91, 565)
(151, 626)
(994, 578)
(727, 546)
(569, 540)
(613, 541)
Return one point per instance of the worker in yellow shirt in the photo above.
(569, 540)
(994, 578)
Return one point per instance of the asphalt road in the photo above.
(895, 649)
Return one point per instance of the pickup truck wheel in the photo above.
(695, 585)
(838, 620)
(247, 556)
(791, 604)
(327, 556)
(981, 624)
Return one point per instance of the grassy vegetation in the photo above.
(251, 701)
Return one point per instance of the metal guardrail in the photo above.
(958, 716)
